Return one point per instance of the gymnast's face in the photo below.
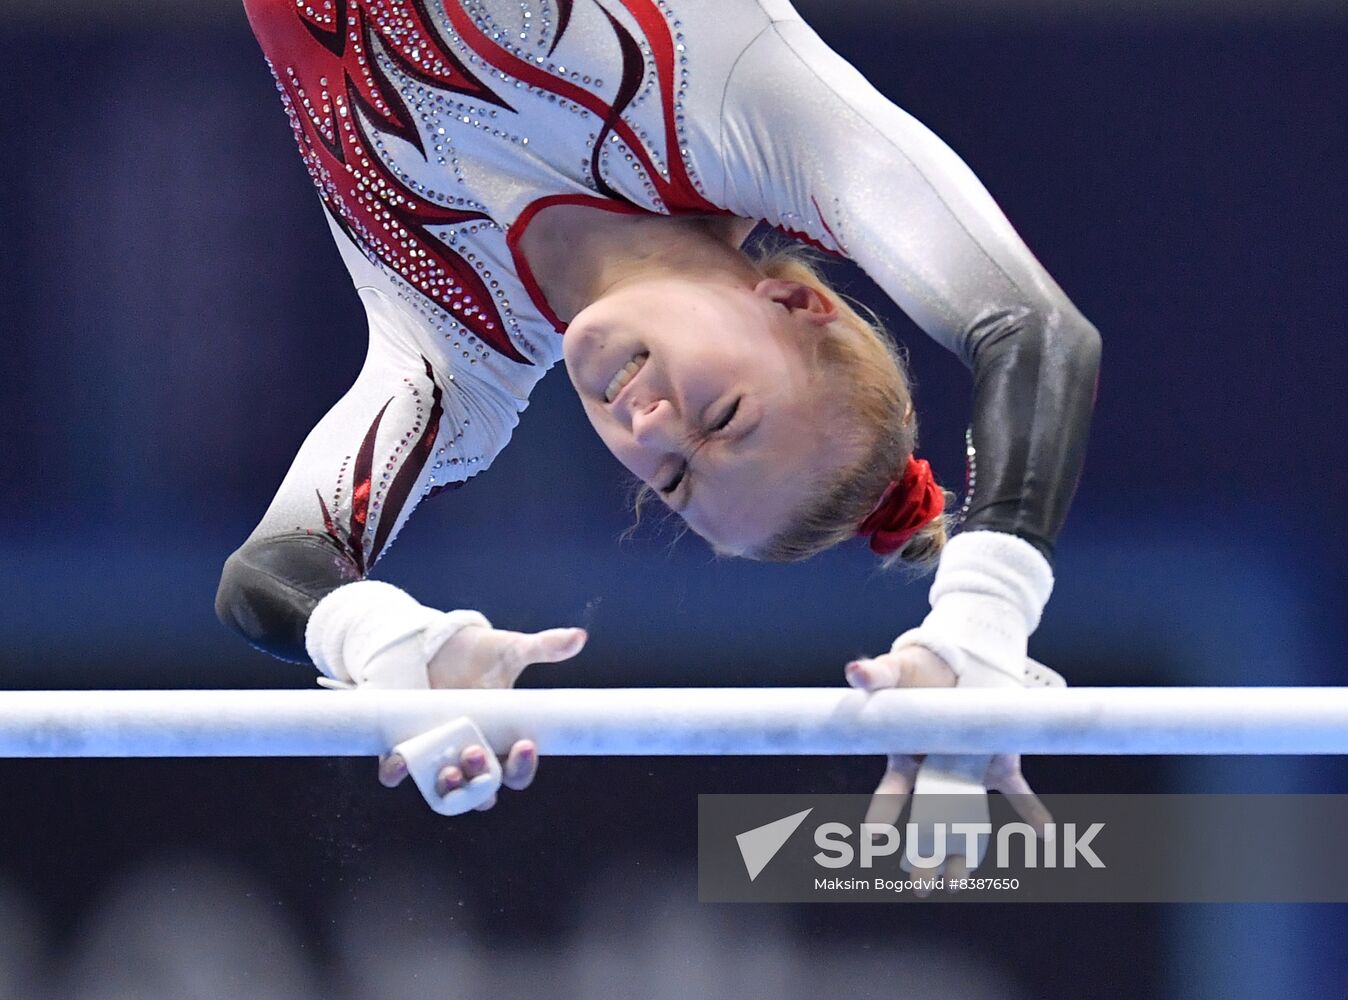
(708, 393)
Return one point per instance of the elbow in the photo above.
(1084, 339)
(240, 598)
(261, 607)
(229, 596)
(1082, 347)
(270, 586)
(1027, 342)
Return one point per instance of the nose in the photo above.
(655, 424)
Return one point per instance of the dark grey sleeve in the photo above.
(1035, 374)
(270, 585)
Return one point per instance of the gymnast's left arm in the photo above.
(854, 173)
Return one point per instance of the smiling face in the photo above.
(709, 393)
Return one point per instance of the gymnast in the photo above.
(515, 183)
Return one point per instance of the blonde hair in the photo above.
(876, 416)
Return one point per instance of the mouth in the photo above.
(625, 375)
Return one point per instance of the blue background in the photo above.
(176, 318)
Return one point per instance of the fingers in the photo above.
(449, 779)
(892, 793)
(392, 769)
(924, 881)
(956, 870)
(520, 765)
(1004, 775)
(473, 763)
(517, 773)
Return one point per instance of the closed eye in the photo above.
(669, 488)
(722, 424)
(728, 418)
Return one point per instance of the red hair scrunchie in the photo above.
(907, 504)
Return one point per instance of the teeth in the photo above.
(625, 375)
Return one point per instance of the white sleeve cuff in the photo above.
(988, 596)
(997, 565)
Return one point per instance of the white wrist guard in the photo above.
(988, 595)
(371, 634)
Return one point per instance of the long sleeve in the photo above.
(405, 429)
(814, 148)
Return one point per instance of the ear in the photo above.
(804, 301)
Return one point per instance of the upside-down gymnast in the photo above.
(513, 183)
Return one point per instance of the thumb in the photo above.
(554, 644)
(549, 646)
(873, 674)
(907, 667)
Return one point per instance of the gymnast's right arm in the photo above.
(357, 477)
(297, 588)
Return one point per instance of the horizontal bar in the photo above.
(681, 721)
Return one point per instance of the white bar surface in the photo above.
(681, 721)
